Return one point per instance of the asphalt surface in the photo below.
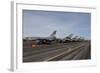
(58, 52)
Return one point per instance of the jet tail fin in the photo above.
(70, 36)
(53, 34)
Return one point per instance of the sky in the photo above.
(42, 23)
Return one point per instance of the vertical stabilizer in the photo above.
(53, 34)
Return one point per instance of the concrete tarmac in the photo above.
(58, 52)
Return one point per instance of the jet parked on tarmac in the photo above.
(43, 40)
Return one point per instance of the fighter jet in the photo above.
(68, 38)
(65, 40)
(81, 39)
(75, 39)
(43, 40)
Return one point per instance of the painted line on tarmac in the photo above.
(69, 51)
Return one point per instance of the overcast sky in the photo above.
(43, 23)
